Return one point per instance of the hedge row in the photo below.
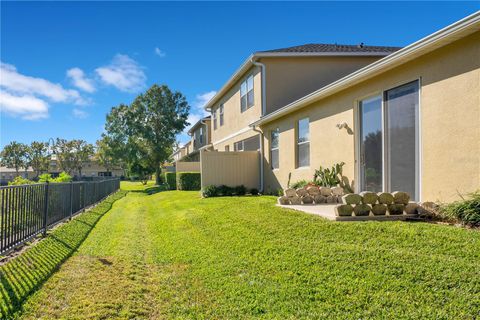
(182, 180)
(225, 191)
(170, 178)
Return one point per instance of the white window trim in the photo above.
(221, 111)
(246, 92)
(275, 149)
(301, 143)
(214, 112)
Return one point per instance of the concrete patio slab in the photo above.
(327, 211)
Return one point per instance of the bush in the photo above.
(466, 210)
(240, 190)
(171, 180)
(299, 184)
(46, 177)
(210, 191)
(254, 192)
(62, 177)
(188, 181)
(18, 180)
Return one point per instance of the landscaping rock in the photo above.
(319, 199)
(369, 197)
(396, 209)
(343, 210)
(313, 190)
(400, 197)
(325, 191)
(339, 199)
(290, 192)
(331, 199)
(379, 209)
(337, 191)
(427, 209)
(307, 199)
(351, 198)
(283, 200)
(385, 198)
(301, 192)
(362, 210)
(295, 200)
(411, 208)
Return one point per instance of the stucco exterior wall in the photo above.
(449, 123)
(290, 78)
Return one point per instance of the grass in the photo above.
(174, 255)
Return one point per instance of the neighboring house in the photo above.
(409, 121)
(8, 174)
(268, 80)
(200, 134)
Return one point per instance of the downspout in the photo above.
(264, 111)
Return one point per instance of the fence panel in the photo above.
(28, 210)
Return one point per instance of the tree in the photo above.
(73, 154)
(82, 151)
(148, 127)
(37, 155)
(14, 155)
(105, 153)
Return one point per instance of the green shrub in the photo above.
(46, 177)
(18, 180)
(299, 184)
(62, 177)
(254, 192)
(240, 190)
(466, 210)
(188, 181)
(171, 180)
(225, 191)
(210, 191)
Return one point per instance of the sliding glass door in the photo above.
(389, 141)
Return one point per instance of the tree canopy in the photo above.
(14, 155)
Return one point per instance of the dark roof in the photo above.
(334, 48)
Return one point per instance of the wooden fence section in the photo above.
(230, 168)
(27, 210)
(182, 166)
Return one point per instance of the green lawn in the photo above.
(175, 255)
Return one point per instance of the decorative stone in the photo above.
(369, 197)
(400, 197)
(411, 208)
(339, 199)
(307, 199)
(343, 210)
(362, 210)
(290, 192)
(427, 209)
(301, 192)
(396, 209)
(379, 209)
(325, 191)
(337, 191)
(385, 198)
(351, 198)
(331, 199)
(283, 200)
(295, 200)
(319, 199)
(313, 190)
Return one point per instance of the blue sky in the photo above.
(64, 65)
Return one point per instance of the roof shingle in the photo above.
(333, 48)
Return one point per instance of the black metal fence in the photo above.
(27, 210)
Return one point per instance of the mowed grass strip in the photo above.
(23, 275)
(175, 255)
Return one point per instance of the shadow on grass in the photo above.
(151, 190)
(25, 274)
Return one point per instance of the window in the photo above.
(201, 135)
(303, 143)
(274, 151)
(221, 115)
(227, 148)
(249, 144)
(238, 146)
(246, 93)
(215, 119)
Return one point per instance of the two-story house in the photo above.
(200, 133)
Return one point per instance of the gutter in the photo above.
(261, 157)
(264, 83)
(427, 44)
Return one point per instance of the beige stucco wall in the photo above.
(230, 168)
(290, 78)
(449, 123)
(182, 166)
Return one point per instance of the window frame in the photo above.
(220, 111)
(277, 148)
(214, 114)
(298, 144)
(248, 103)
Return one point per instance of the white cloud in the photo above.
(79, 80)
(26, 107)
(160, 53)
(123, 73)
(197, 111)
(78, 113)
(20, 84)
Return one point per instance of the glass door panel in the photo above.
(401, 107)
(371, 168)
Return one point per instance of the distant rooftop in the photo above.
(333, 48)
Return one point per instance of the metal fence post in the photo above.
(71, 199)
(45, 210)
